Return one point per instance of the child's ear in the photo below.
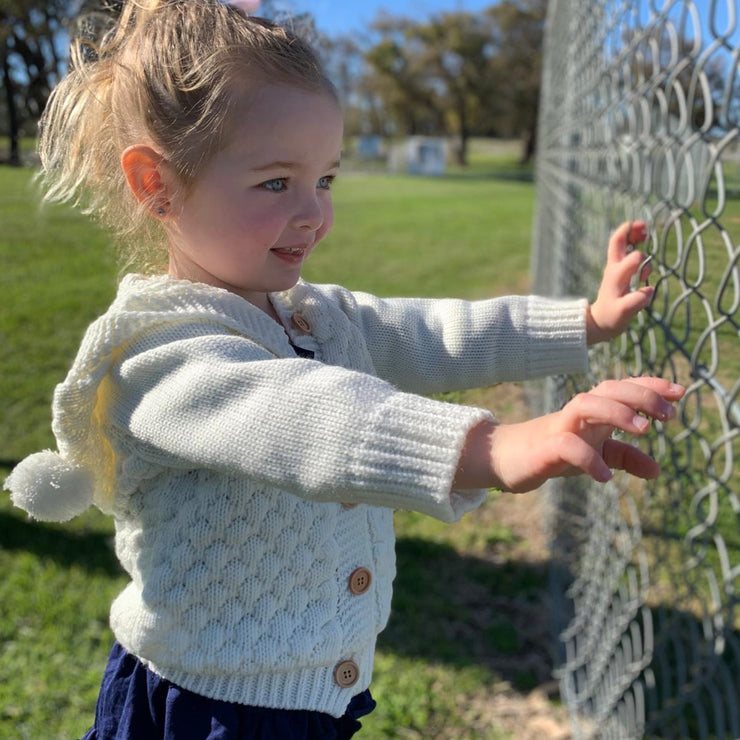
(149, 177)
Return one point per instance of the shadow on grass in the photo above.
(693, 689)
(455, 609)
(463, 610)
(92, 551)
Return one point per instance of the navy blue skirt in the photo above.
(136, 704)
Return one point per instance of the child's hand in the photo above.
(575, 440)
(616, 304)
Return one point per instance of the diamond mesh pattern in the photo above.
(639, 119)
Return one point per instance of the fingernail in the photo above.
(667, 411)
(641, 423)
(675, 388)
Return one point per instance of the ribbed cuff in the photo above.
(559, 331)
(408, 457)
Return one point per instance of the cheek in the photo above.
(262, 224)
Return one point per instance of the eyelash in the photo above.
(328, 179)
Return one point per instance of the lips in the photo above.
(291, 254)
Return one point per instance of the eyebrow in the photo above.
(282, 165)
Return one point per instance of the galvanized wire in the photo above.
(639, 119)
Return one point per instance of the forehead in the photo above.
(279, 120)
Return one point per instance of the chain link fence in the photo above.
(639, 119)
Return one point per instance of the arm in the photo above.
(429, 346)
(572, 441)
(319, 431)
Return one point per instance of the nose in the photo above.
(309, 215)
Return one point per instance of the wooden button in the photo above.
(300, 323)
(346, 674)
(360, 580)
(348, 506)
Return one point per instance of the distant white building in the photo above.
(369, 147)
(419, 155)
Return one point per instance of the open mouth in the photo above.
(292, 255)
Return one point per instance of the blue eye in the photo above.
(278, 185)
(325, 182)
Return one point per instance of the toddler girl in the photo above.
(250, 433)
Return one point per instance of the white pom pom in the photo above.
(49, 488)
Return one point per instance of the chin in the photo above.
(287, 284)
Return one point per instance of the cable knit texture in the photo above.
(229, 464)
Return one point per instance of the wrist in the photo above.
(475, 467)
(594, 333)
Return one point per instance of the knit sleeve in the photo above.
(319, 431)
(430, 346)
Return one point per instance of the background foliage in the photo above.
(450, 75)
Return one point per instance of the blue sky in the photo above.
(335, 17)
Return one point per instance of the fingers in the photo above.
(653, 396)
(568, 450)
(666, 388)
(637, 232)
(580, 457)
(636, 300)
(626, 235)
(618, 403)
(610, 413)
(630, 265)
(579, 439)
(627, 265)
(622, 456)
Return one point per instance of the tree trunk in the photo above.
(14, 157)
(528, 147)
(462, 152)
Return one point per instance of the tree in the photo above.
(462, 73)
(397, 76)
(30, 60)
(519, 27)
(430, 75)
(456, 50)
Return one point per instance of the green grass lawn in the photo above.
(448, 647)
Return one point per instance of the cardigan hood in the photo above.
(59, 485)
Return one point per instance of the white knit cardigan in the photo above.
(228, 464)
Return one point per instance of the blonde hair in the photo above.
(168, 73)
